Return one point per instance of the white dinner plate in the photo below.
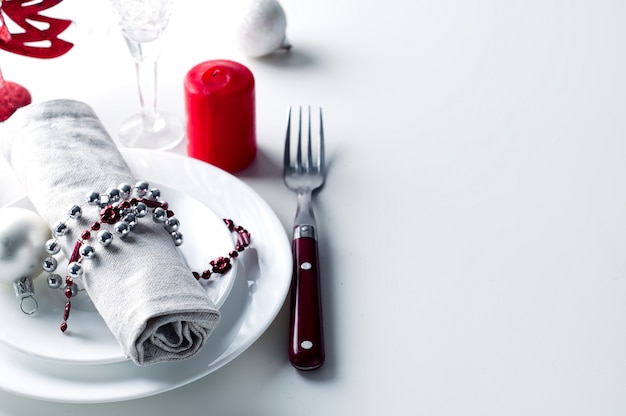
(260, 286)
(88, 340)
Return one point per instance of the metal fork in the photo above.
(303, 176)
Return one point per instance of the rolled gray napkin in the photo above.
(140, 284)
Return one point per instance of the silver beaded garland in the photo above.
(141, 210)
(177, 238)
(104, 237)
(172, 224)
(122, 228)
(55, 281)
(49, 264)
(75, 269)
(159, 215)
(75, 212)
(87, 251)
(73, 290)
(131, 220)
(93, 198)
(125, 191)
(59, 229)
(130, 216)
(142, 188)
(155, 194)
(129, 212)
(113, 195)
(52, 246)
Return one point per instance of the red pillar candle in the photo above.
(219, 100)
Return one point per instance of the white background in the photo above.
(473, 231)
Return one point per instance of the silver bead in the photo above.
(87, 251)
(104, 237)
(60, 228)
(155, 194)
(125, 190)
(177, 238)
(172, 224)
(75, 269)
(49, 264)
(141, 210)
(122, 228)
(130, 219)
(159, 215)
(73, 290)
(114, 195)
(52, 246)
(93, 198)
(142, 188)
(54, 281)
(75, 212)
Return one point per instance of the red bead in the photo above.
(125, 204)
(196, 275)
(221, 265)
(95, 226)
(170, 213)
(64, 327)
(206, 275)
(233, 254)
(151, 204)
(86, 235)
(76, 252)
(110, 215)
(69, 281)
(68, 292)
(66, 312)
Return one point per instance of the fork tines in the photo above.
(313, 130)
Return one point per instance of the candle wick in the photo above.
(216, 72)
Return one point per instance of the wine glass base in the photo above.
(165, 133)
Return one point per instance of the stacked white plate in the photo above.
(86, 364)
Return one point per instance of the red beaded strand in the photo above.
(112, 213)
(222, 264)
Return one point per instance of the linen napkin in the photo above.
(140, 284)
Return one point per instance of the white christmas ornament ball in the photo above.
(263, 29)
(23, 235)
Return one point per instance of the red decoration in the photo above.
(38, 42)
(33, 41)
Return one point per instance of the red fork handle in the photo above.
(306, 336)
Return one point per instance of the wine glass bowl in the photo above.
(143, 22)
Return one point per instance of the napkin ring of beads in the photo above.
(120, 209)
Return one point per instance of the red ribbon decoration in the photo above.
(28, 43)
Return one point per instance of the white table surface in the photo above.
(473, 224)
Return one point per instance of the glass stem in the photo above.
(147, 82)
(146, 55)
